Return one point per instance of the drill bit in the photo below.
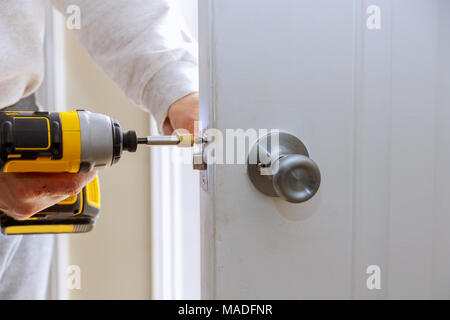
(160, 140)
(183, 140)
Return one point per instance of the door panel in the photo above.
(372, 108)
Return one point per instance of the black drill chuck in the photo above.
(130, 141)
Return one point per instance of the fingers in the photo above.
(31, 185)
(64, 184)
(24, 194)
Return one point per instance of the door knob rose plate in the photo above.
(278, 165)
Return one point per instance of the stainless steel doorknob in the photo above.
(297, 179)
(279, 166)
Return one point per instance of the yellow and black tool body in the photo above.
(29, 138)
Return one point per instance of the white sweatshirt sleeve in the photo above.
(143, 45)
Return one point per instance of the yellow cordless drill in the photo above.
(75, 142)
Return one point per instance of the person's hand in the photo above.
(24, 194)
(183, 113)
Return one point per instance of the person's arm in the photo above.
(144, 46)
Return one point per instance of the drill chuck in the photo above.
(130, 141)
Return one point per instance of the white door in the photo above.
(366, 86)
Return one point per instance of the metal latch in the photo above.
(199, 162)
